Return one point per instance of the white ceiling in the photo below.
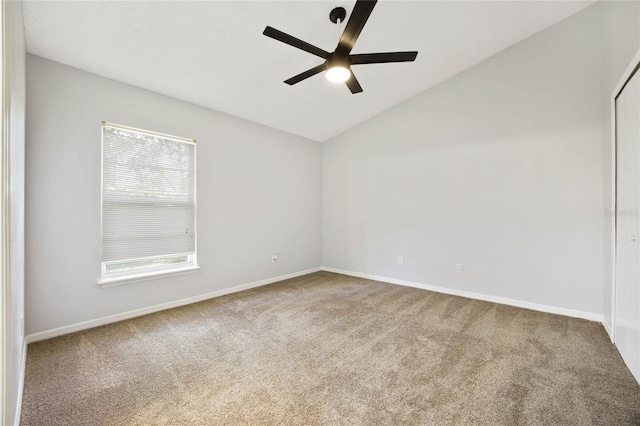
(214, 54)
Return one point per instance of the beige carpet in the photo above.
(332, 349)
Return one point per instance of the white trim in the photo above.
(607, 328)
(614, 195)
(42, 335)
(146, 276)
(627, 73)
(621, 83)
(5, 261)
(487, 298)
(23, 368)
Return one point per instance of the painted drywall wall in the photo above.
(14, 59)
(258, 189)
(499, 168)
(621, 36)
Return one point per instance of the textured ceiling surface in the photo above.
(214, 54)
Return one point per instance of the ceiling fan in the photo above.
(338, 63)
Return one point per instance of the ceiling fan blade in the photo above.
(303, 76)
(358, 18)
(295, 42)
(381, 58)
(353, 84)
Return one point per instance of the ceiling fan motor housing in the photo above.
(338, 59)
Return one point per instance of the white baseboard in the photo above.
(487, 298)
(23, 367)
(47, 334)
(607, 328)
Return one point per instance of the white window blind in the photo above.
(148, 199)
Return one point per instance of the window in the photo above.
(148, 204)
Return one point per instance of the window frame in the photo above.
(110, 279)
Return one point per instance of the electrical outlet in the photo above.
(458, 267)
(400, 260)
(274, 258)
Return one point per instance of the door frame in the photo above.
(5, 261)
(632, 69)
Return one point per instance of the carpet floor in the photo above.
(330, 349)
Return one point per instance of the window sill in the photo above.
(134, 278)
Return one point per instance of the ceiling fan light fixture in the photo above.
(338, 68)
(338, 74)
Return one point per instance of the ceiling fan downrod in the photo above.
(337, 16)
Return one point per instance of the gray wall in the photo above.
(15, 68)
(259, 192)
(498, 168)
(621, 42)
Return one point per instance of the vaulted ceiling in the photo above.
(214, 54)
